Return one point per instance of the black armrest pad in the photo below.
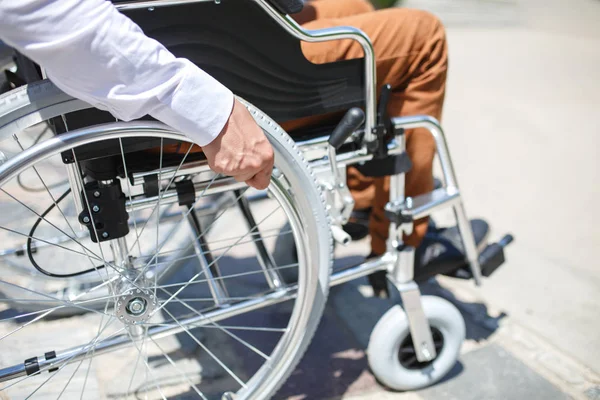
(288, 6)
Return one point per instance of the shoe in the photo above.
(378, 281)
(358, 224)
(442, 251)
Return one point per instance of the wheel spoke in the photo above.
(195, 255)
(87, 372)
(210, 353)
(57, 206)
(227, 276)
(216, 325)
(48, 242)
(43, 314)
(60, 300)
(229, 239)
(217, 259)
(205, 230)
(51, 196)
(88, 352)
(144, 269)
(72, 238)
(154, 209)
(137, 361)
(183, 374)
(137, 235)
(148, 369)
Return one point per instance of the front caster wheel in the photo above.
(392, 355)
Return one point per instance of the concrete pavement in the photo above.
(520, 119)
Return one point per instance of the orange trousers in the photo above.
(412, 56)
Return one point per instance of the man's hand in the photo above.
(241, 150)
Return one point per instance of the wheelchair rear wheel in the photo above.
(164, 328)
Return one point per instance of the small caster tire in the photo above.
(392, 356)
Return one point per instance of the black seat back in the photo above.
(249, 52)
(240, 45)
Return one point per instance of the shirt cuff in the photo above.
(198, 107)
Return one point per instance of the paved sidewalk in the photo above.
(499, 360)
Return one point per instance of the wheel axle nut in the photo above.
(136, 306)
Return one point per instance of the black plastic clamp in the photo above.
(397, 214)
(186, 192)
(31, 366)
(49, 356)
(151, 185)
(107, 211)
(390, 165)
(383, 129)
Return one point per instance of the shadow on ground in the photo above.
(336, 364)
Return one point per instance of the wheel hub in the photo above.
(407, 354)
(135, 306)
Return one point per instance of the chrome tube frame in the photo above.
(313, 36)
(267, 264)
(170, 196)
(464, 225)
(209, 267)
(168, 174)
(78, 353)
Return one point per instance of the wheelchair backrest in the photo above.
(239, 44)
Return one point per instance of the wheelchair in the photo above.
(123, 228)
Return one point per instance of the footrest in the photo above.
(492, 256)
(454, 265)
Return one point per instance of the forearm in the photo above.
(96, 54)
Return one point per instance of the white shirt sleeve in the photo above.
(94, 53)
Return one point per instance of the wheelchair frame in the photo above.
(398, 264)
(329, 165)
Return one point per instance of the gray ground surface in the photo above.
(520, 120)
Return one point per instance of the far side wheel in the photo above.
(285, 253)
(392, 356)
